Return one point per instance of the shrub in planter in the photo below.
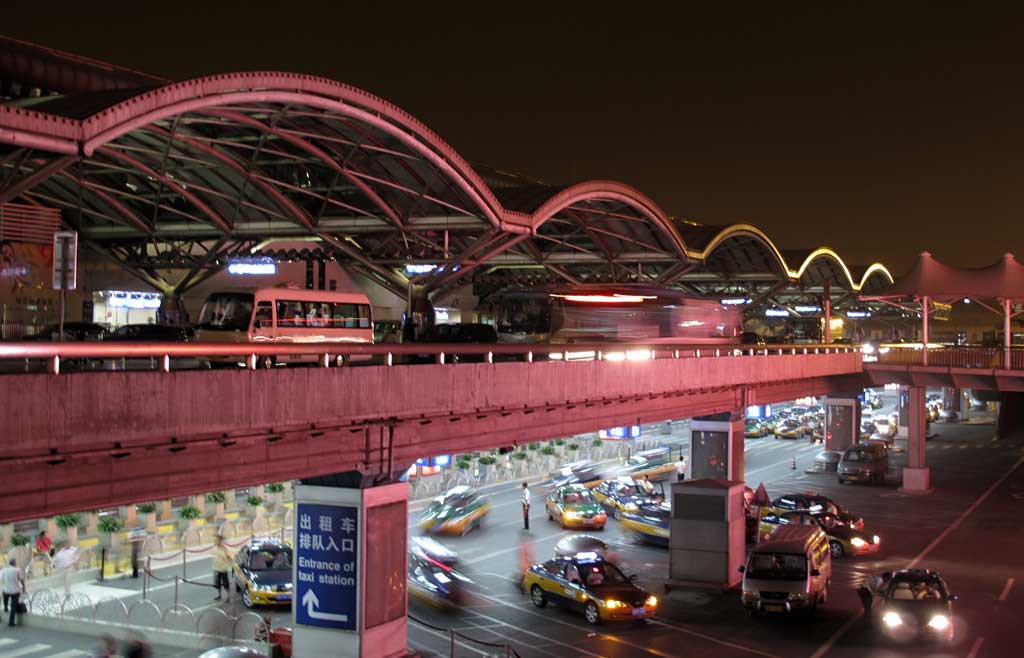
(216, 497)
(189, 512)
(559, 442)
(519, 455)
(65, 521)
(533, 446)
(574, 446)
(145, 508)
(487, 460)
(254, 501)
(547, 450)
(274, 487)
(597, 443)
(20, 540)
(109, 524)
(463, 464)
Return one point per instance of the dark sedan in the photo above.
(916, 604)
(73, 331)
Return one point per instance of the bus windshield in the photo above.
(227, 311)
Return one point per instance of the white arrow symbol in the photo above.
(310, 601)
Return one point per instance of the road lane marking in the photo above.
(5, 641)
(488, 556)
(1006, 590)
(24, 651)
(842, 630)
(70, 653)
(975, 648)
(732, 645)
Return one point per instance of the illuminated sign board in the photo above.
(128, 299)
(776, 313)
(736, 301)
(419, 268)
(631, 432)
(858, 314)
(807, 309)
(262, 266)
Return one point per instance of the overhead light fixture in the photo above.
(776, 313)
(807, 309)
(606, 299)
(736, 301)
(257, 266)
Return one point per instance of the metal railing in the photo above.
(161, 356)
(990, 358)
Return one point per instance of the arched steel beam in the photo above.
(122, 210)
(212, 214)
(14, 190)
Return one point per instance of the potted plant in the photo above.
(189, 514)
(520, 455)
(573, 447)
(109, 527)
(18, 539)
(256, 502)
(148, 510)
(21, 550)
(275, 491)
(69, 524)
(485, 462)
(217, 498)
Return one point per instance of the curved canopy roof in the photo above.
(165, 176)
(928, 277)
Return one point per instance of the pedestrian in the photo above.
(137, 647)
(681, 469)
(108, 648)
(66, 560)
(526, 507)
(13, 585)
(44, 546)
(221, 564)
(866, 599)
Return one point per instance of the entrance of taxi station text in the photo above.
(349, 567)
(716, 446)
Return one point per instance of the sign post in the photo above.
(65, 269)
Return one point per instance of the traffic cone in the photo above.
(792, 464)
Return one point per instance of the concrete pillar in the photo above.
(707, 533)
(842, 421)
(916, 475)
(350, 570)
(716, 447)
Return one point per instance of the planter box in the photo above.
(150, 519)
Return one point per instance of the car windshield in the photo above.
(226, 311)
(916, 591)
(625, 491)
(602, 573)
(856, 456)
(270, 558)
(777, 566)
(578, 497)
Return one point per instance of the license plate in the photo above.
(773, 608)
(284, 597)
(638, 612)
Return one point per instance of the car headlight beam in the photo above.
(858, 542)
(612, 604)
(892, 619)
(651, 601)
(939, 622)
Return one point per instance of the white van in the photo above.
(285, 315)
(790, 572)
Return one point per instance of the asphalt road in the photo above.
(967, 528)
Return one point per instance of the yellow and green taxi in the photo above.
(263, 573)
(588, 583)
(575, 507)
(649, 523)
(622, 494)
(842, 539)
(755, 429)
(655, 464)
(455, 512)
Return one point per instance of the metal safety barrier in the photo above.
(990, 358)
(505, 650)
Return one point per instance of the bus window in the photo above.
(264, 318)
(226, 311)
(365, 321)
(346, 316)
(290, 314)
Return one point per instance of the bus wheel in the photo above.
(266, 362)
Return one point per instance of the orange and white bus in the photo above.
(285, 315)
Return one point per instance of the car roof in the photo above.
(268, 543)
(788, 539)
(916, 575)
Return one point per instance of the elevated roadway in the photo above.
(94, 439)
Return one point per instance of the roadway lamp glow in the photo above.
(639, 355)
(892, 619)
(419, 268)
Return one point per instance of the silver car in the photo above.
(864, 463)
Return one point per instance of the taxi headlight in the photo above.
(939, 622)
(876, 539)
(651, 601)
(751, 596)
(611, 604)
(263, 588)
(892, 619)
(572, 515)
(858, 542)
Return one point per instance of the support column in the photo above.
(924, 330)
(842, 421)
(716, 447)
(350, 569)
(827, 307)
(1007, 334)
(916, 475)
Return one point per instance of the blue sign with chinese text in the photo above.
(326, 566)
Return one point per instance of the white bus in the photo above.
(285, 315)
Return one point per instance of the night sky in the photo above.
(880, 133)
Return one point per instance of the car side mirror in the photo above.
(742, 569)
(815, 573)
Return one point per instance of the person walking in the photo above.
(866, 600)
(13, 585)
(221, 564)
(108, 648)
(44, 546)
(526, 507)
(66, 560)
(681, 469)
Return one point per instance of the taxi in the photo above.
(591, 585)
(816, 503)
(455, 512)
(755, 429)
(575, 507)
(656, 464)
(621, 494)
(263, 573)
(790, 429)
(649, 523)
(842, 539)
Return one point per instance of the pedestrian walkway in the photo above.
(39, 643)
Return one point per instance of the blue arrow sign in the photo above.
(326, 566)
